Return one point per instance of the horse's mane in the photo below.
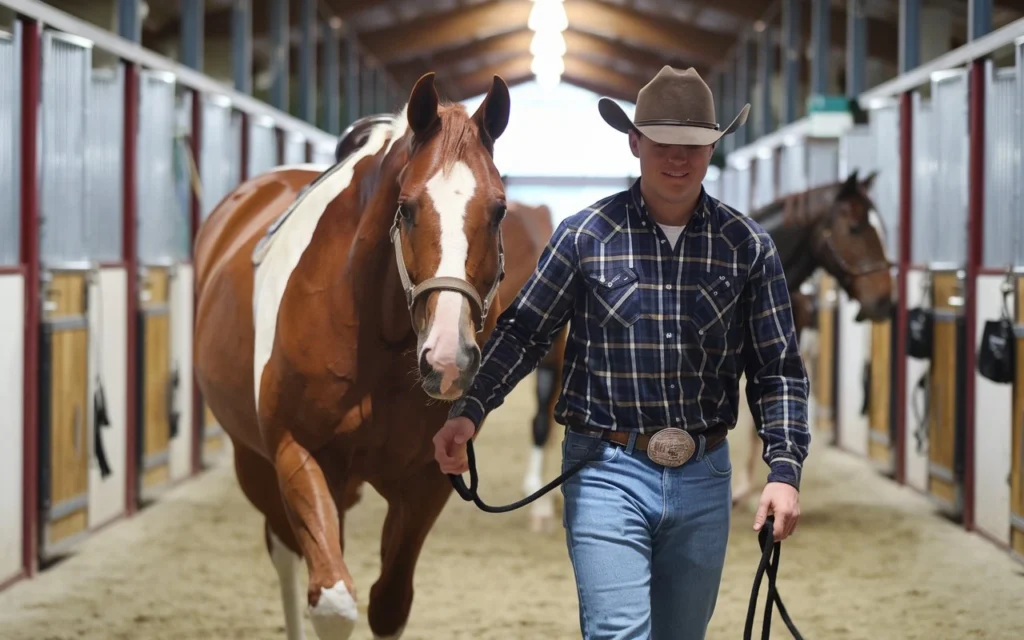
(797, 209)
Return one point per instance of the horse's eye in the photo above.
(406, 210)
(499, 212)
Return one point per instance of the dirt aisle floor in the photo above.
(869, 561)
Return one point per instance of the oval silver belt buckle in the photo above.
(671, 447)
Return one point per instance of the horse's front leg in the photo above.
(314, 519)
(414, 503)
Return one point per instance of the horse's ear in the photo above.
(868, 181)
(850, 186)
(492, 114)
(422, 110)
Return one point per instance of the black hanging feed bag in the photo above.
(997, 353)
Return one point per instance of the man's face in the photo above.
(673, 172)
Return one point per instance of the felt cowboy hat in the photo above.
(675, 107)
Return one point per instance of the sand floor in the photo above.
(870, 560)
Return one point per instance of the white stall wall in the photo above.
(993, 409)
(916, 462)
(854, 348)
(108, 361)
(12, 360)
(181, 359)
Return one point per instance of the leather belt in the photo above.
(672, 447)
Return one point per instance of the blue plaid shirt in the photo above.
(659, 336)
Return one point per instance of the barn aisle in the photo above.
(869, 561)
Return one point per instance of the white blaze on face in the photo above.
(876, 222)
(451, 195)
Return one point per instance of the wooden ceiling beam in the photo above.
(598, 77)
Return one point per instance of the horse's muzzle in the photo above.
(449, 380)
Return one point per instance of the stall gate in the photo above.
(1017, 437)
(64, 404)
(294, 149)
(262, 146)
(946, 224)
(764, 180)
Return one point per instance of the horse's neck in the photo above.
(792, 223)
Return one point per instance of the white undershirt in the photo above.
(672, 233)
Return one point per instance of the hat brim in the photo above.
(681, 133)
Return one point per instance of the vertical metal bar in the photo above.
(791, 57)
(279, 96)
(330, 82)
(856, 48)
(241, 45)
(307, 61)
(742, 95)
(351, 77)
(910, 35)
(192, 32)
(367, 83)
(906, 178)
(30, 96)
(765, 56)
(821, 32)
(129, 26)
(979, 18)
(195, 217)
(130, 248)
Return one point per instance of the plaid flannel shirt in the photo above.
(658, 336)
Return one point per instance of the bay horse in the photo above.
(335, 311)
(834, 227)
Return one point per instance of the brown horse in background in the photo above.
(371, 297)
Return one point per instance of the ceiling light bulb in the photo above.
(547, 15)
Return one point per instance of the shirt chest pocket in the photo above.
(715, 303)
(616, 296)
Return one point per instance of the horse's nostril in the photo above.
(425, 368)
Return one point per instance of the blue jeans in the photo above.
(646, 542)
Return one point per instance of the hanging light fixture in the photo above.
(547, 15)
(547, 43)
(547, 66)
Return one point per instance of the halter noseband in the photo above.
(446, 283)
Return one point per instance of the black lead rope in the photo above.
(770, 552)
(469, 494)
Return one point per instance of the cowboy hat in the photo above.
(675, 107)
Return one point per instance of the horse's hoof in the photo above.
(335, 614)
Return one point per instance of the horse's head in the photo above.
(447, 230)
(852, 248)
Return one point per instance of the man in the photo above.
(671, 296)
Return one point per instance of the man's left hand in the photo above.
(782, 501)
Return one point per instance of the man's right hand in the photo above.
(450, 445)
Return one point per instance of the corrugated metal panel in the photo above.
(792, 169)
(235, 151)
(262, 146)
(728, 186)
(885, 131)
(923, 168)
(323, 154)
(160, 219)
(10, 129)
(295, 149)
(67, 80)
(1002, 165)
(713, 182)
(220, 156)
(1018, 233)
(185, 180)
(857, 152)
(743, 187)
(949, 226)
(105, 163)
(822, 162)
(764, 180)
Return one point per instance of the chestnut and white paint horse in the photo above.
(323, 348)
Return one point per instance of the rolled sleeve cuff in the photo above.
(785, 469)
(468, 407)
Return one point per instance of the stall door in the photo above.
(156, 423)
(1017, 468)
(64, 412)
(946, 395)
(823, 384)
(880, 444)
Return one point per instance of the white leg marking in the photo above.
(451, 194)
(543, 508)
(335, 614)
(289, 567)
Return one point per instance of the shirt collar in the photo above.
(701, 212)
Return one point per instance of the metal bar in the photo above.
(330, 83)
(133, 52)
(129, 26)
(979, 18)
(942, 473)
(910, 35)
(791, 57)
(742, 95)
(279, 50)
(241, 45)
(192, 33)
(821, 31)
(906, 176)
(152, 310)
(156, 460)
(69, 506)
(130, 244)
(66, 323)
(856, 47)
(307, 61)
(765, 58)
(351, 77)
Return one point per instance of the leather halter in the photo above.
(446, 283)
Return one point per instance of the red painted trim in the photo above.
(196, 217)
(114, 265)
(131, 122)
(975, 231)
(18, 577)
(989, 271)
(903, 258)
(30, 95)
(309, 151)
(16, 270)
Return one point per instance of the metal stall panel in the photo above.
(713, 182)
(764, 179)
(885, 131)
(219, 155)
(742, 189)
(728, 186)
(10, 128)
(262, 145)
(186, 179)
(161, 221)
(857, 152)
(924, 170)
(949, 228)
(105, 164)
(295, 149)
(323, 154)
(792, 169)
(64, 188)
(1002, 166)
(822, 161)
